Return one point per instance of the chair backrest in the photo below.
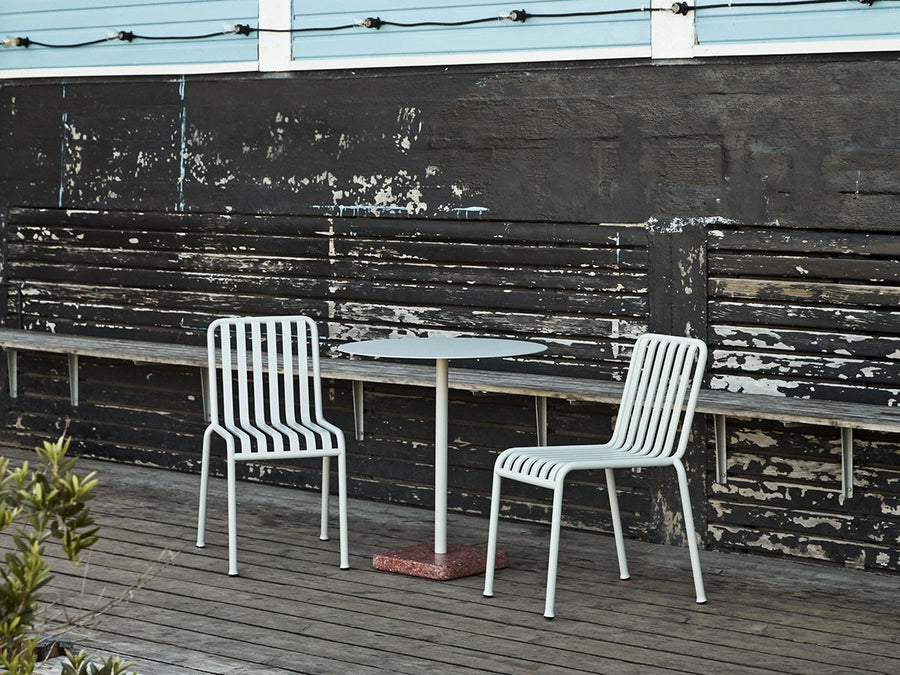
(661, 389)
(265, 388)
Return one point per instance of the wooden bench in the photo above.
(720, 404)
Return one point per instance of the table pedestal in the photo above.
(437, 559)
(460, 560)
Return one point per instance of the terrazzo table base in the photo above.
(460, 560)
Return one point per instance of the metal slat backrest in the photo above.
(265, 387)
(660, 395)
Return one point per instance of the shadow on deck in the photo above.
(293, 611)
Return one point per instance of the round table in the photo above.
(441, 350)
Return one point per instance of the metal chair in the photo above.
(265, 401)
(658, 399)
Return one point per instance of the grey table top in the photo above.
(442, 348)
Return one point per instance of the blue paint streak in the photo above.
(180, 205)
(471, 211)
(62, 151)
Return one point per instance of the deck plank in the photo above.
(293, 611)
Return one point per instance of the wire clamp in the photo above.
(681, 8)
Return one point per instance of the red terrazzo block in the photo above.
(460, 560)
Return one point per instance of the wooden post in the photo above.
(677, 294)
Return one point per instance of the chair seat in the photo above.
(264, 441)
(545, 465)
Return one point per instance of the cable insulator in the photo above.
(681, 8)
(518, 15)
(125, 35)
(242, 29)
(373, 22)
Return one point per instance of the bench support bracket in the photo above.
(846, 456)
(12, 366)
(847, 462)
(73, 379)
(540, 413)
(721, 467)
(204, 393)
(358, 409)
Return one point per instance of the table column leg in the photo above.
(441, 397)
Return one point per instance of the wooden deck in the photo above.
(293, 611)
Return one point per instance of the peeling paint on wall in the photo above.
(63, 150)
(182, 148)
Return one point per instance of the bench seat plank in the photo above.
(721, 404)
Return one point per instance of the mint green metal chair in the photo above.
(652, 429)
(265, 401)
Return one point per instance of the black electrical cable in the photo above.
(605, 12)
(123, 35)
(781, 3)
(304, 30)
(449, 24)
(135, 36)
(26, 42)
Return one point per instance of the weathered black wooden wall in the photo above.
(812, 313)
(579, 288)
(480, 184)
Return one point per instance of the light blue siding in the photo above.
(627, 34)
(74, 21)
(850, 20)
(535, 35)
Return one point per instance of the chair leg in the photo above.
(204, 487)
(689, 531)
(490, 562)
(232, 517)
(326, 483)
(555, 525)
(342, 510)
(617, 524)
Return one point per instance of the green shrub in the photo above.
(47, 502)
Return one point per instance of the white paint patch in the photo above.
(675, 225)
(751, 385)
(409, 128)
